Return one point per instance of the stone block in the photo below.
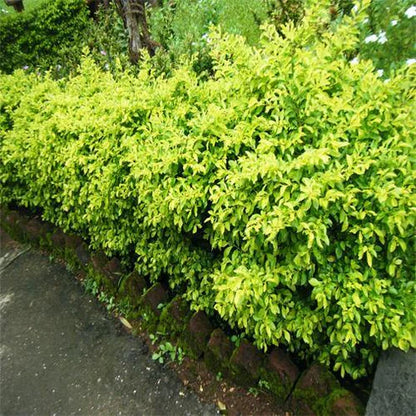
(218, 353)
(317, 380)
(17, 223)
(3, 214)
(154, 297)
(345, 404)
(34, 231)
(197, 334)
(131, 289)
(133, 285)
(113, 269)
(280, 373)
(58, 239)
(72, 241)
(12, 217)
(300, 408)
(174, 317)
(246, 364)
(316, 387)
(99, 260)
(394, 386)
(83, 255)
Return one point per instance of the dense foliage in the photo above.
(50, 34)
(280, 192)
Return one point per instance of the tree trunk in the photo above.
(133, 13)
(16, 4)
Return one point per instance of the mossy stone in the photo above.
(17, 224)
(35, 231)
(174, 317)
(131, 288)
(57, 239)
(343, 403)
(246, 363)
(72, 241)
(218, 353)
(197, 334)
(103, 281)
(149, 306)
(83, 255)
(315, 387)
(99, 260)
(280, 373)
(113, 269)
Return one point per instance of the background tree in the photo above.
(133, 13)
(16, 4)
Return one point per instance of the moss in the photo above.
(218, 353)
(317, 387)
(246, 363)
(174, 318)
(341, 402)
(149, 319)
(279, 373)
(275, 384)
(148, 310)
(131, 288)
(196, 335)
(106, 284)
(14, 225)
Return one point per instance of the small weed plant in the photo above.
(91, 286)
(167, 352)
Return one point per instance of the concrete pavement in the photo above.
(61, 354)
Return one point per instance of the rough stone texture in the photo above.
(58, 239)
(174, 317)
(280, 363)
(83, 255)
(113, 269)
(35, 230)
(319, 390)
(3, 213)
(16, 223)
(131, 290)
(12, 217)
(345, 405)
(133, 286)
(197, 333)
(246, 363)
(62, 354)
(218, 353)
(300, 408)
(280, 373)
(72, 241)
(317, 380)
(394, 386)
(99, 260)
(154, 297)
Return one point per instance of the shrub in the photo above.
(279, 193)
(54, 36)
(50, 34)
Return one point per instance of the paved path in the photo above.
(62, 355)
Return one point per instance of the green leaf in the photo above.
(314, 282)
